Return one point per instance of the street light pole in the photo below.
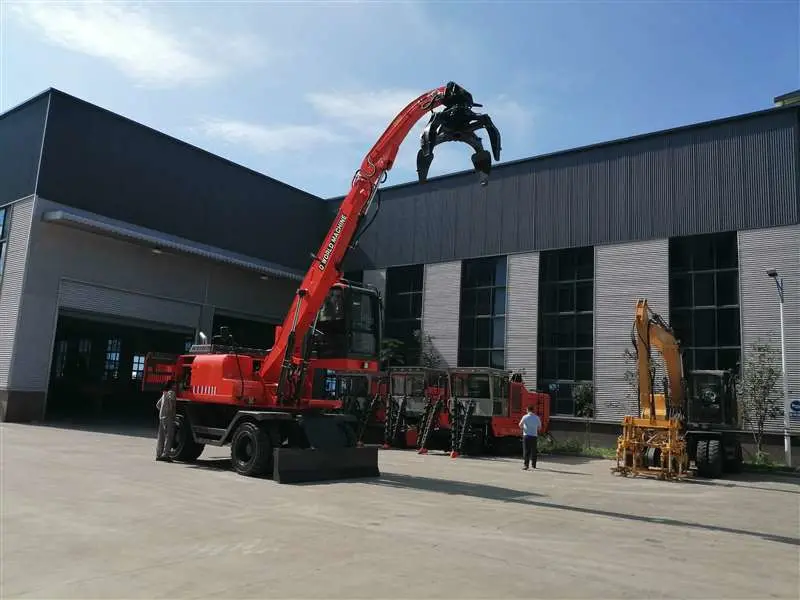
(787, 440)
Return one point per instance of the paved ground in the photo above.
(91, 515)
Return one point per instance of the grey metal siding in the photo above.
(759, 250)
(87, 297)
(21, 131)
(441, 308)
(104, 163)
(738, 174)
(522, 315)
(113, 277)
(12, 282)
(623, 274)
(378, 279)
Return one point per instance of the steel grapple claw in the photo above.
(457, 122)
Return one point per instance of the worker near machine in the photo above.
(166, 422)
(530, 424)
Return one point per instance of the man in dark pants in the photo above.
(530, 425)
(166, 406)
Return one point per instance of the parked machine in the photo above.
(465, 410)
(259, 401)
(695, 420)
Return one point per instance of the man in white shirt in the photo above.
(530, 424)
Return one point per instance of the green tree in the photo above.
(392, 354)
(755, 385)
(583, 395)
(428, 354)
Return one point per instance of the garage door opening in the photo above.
(97, 366)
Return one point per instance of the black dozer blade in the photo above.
(305, 465)
(333, 454)
(458, 123)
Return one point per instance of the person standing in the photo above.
(166, 406)
(530, 424)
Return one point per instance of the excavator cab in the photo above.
(348, 325)
(711, 399)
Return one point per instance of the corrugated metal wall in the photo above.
(759, 250)
(440, 308)
(738, 174)
(108, 276)
(21, 132)
(522, 314)
(624, 273)
(12, 281)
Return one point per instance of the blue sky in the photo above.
(301, 90)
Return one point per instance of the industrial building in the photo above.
(118, 240)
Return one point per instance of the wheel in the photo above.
(734, 465)
(184, 448)
(715, 457)
(709, 458)
(251, 450)
(701, 458)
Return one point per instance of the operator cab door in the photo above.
(348, 325)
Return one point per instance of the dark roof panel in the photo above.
(21, 131)
(98, 161)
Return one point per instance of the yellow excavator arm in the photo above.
(651, 331)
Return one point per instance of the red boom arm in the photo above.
(456, 123)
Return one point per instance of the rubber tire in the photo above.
(735, 465)
(184, 448)
(260, 460)
(709, 458)
(701, 459)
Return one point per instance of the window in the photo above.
(111, 367)
(137, 369)
(482, 327)
(5, 223)
(61, 357)
(403, 309)
(363, 319)
(704, 299)
(354, 276)
(566, 323)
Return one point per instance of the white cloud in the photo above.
(369, 113)
(132, 40)
(264, 139)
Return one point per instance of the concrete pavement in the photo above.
(92, 515)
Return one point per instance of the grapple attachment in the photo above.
(457, 122)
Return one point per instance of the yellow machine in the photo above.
(654, 442)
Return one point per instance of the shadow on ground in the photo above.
(141, 430)
(397, 480)
(742, 480)
(520, 497)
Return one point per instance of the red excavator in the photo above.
(259, 401)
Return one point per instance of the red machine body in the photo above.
(254, 398)
(468, 408)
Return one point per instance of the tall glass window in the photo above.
(403, 308)
(482, 327)
(566, 323)
(704, 299)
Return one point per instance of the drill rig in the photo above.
(259, 401)
(694, 420)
